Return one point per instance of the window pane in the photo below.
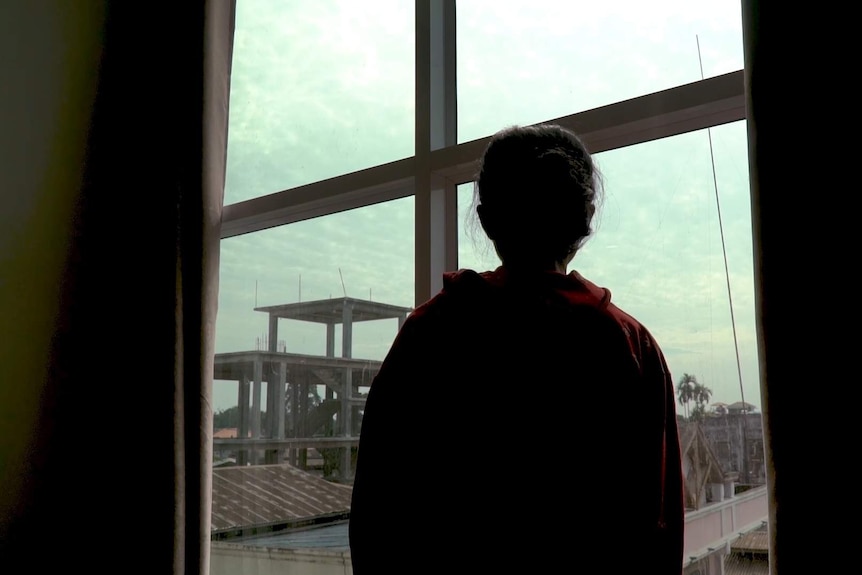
(369, 249)
(658, 247)
(337, 288)
(549, 58)
(318, 89)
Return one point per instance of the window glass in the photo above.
(318, 89)
(530, 62)
(366, 253)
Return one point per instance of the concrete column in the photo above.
(243, 414)
(729, 489)
(303, 422)
(329, 395)
(273, 332)
(294, 417)
(347, 330)
(347, 386)
(255, 405)
(279, 400)
(330, 340)
(716, 492)
(269, 428)
(275, 411)
(347, 394)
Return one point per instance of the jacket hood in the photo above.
(572, 286)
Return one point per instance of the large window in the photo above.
(354, 131)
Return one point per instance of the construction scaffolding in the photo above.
(296, 420)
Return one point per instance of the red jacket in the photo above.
(519, 422)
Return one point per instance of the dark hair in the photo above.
(537, 190)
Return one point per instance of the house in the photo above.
(716, 509)
(706, 481)
(736, 432)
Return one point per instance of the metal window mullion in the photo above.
(444, 87)
(422, 153)
(674, 111)
(668, 113)
(436, 229)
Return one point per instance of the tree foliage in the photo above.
(229, 418)
(690, 391)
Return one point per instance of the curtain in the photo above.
(115, 131)
(798, 342)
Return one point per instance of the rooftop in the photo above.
(756, 541)
(331, 536)
(332, 310)
(263, 498)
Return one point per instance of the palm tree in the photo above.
(692, 391)
(702, 394)
(685, 390)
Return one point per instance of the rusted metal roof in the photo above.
(737, 564)
(752, 542)
(332, 536)
(749, 554)
(259, 496)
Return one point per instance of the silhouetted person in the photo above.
(521, 422)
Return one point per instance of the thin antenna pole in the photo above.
(729, 292)
(342, 283)
(723, 247)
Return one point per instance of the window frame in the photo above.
(440, 164)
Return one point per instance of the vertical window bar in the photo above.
(436, 115)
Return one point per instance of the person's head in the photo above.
(535, 195)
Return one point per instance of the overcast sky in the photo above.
(323, 88)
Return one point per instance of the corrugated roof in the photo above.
(752, 542)
(749, 553)
(268, 495)
(334, 536)
(736, 564)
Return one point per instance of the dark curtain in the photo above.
(115, 119)
(795, 82)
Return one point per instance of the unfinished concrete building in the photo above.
(736, 434)
(296, 419)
